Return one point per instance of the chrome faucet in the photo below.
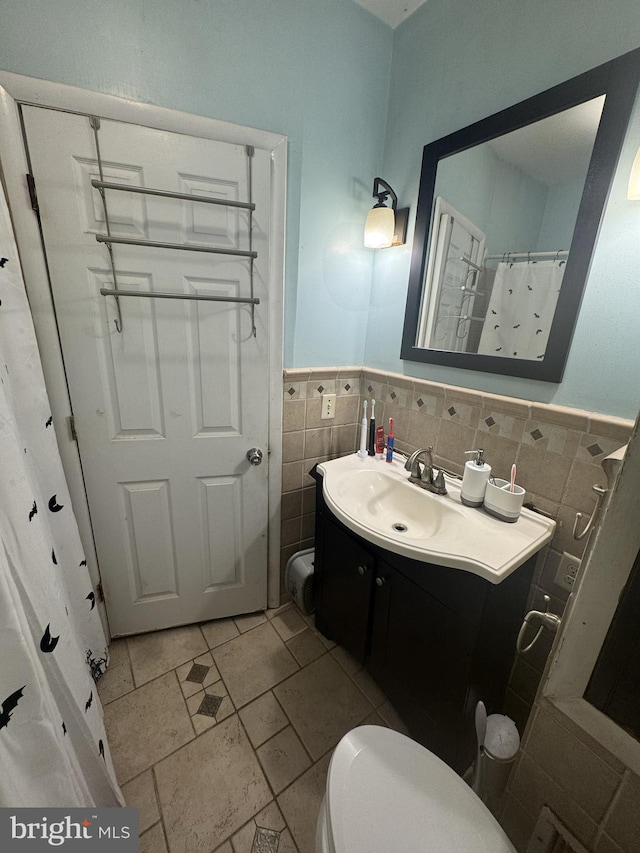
(424, 476)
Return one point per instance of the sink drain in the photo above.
(399, 527)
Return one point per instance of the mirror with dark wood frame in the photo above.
(508, 215)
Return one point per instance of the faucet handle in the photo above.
(439, 483)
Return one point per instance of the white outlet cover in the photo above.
(328, 408)
(567, 571)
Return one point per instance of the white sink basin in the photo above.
(376, 500)
(385, 502)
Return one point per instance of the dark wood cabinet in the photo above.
(435, 639)
(344, 596)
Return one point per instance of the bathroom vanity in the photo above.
(436, 638)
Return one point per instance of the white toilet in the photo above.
(386, 793)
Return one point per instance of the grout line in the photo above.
(184, 699)
(236, 713)
(275, 684)
(164, 832)
(157, 794)
(295, 731)
(212, 649)
(173, 752)
(626, 775)
(149, 828)
(266, 778)
(548, 778)
(278, 683)
(162, 674)
(133, 675)
(279, 704)
(126, 643)
(111, 668)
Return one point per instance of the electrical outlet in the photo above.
(328, 409)
(567, 571)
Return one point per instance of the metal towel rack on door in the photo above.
(102, 185)
(156, 294)
(154, 244)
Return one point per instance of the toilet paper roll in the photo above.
(502, 740)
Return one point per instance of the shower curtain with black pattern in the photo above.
(53, 747)
(521, 309)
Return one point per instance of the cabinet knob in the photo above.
(380, 581)
(362, 570)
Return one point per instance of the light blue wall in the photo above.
(504, 202)
(321, 72)
(315, 70)
(455, 62)
(560, 215)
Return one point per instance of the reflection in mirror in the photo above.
(501, 227)
(507, 219)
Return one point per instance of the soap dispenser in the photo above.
(475, 479)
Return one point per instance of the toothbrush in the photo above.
(372, 430)
(363, 431)
(390, 441)
(513, 478)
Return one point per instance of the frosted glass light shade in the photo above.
(633, 192)
(379, 228)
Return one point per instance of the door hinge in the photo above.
(71, 423)
(31, 184)
(99, 591)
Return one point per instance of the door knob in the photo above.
(380, 581)
(254, 455)
(362, 570)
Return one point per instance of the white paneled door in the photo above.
(165, 410)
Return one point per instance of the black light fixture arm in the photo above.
(383, 194)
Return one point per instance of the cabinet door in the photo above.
(421, 655)
(345, 580)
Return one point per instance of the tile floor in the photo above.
(221, 733)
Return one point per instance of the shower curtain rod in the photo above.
(555, 253)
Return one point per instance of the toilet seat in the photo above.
(387, 793)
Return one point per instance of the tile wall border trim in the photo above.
(581, 420)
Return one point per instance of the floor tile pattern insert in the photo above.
(197, 673)
(265, 841)
(224, 741)
(210, 705)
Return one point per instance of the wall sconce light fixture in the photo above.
(385, 226)
(633, 192)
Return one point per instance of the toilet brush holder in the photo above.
(501, 502)
(495, 759)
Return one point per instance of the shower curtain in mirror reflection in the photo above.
(521, 308)
(53, 747)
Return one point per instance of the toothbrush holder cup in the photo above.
(502, 503)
